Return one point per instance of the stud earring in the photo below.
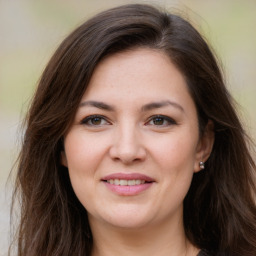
(201, 165)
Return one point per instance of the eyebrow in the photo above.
(147, 107)
(97, 104)
(161, 104)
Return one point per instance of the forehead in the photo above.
(139, 74)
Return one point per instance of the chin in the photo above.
(129, 223)
(126, 219)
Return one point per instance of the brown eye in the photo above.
(160, 120)
(95, 120)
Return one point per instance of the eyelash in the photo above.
(88, 120)
(167, 119)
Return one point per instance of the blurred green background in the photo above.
(31, 30)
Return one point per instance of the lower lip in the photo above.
(128, 190)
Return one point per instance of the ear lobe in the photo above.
(63, 161)
(205, 145)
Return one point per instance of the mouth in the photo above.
(127, 179)
(122, 182)
(128, 184)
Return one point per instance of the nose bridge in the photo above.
(127, 137)
(128, 145)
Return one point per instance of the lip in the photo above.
(128, 190)
(128, 176)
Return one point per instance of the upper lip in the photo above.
(128, 176)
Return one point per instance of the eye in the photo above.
(95, 120)
(160, 120)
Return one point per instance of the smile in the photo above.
(122, 182)
(128, 184)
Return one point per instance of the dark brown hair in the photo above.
(219, 209)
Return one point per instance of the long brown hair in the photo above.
(219, 209)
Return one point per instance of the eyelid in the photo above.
(86, 119)
(170, 120)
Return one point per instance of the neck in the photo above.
(158, 240)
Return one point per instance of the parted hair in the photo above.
(219, 209)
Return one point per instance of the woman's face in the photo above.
(134, 144)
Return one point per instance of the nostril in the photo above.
(127, 151)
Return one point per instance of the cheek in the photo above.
(176, 158)
(82, 152)
(81, 161)
(176, 151)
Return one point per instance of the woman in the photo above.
(133, 147)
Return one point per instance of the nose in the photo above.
(128, 145)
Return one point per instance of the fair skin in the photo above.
(131, 153)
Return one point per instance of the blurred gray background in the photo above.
(31, 30)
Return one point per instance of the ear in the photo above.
(205, 145)
(63, 159)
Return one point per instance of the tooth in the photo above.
(123, 182)
(131, 182)
(116, 181)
